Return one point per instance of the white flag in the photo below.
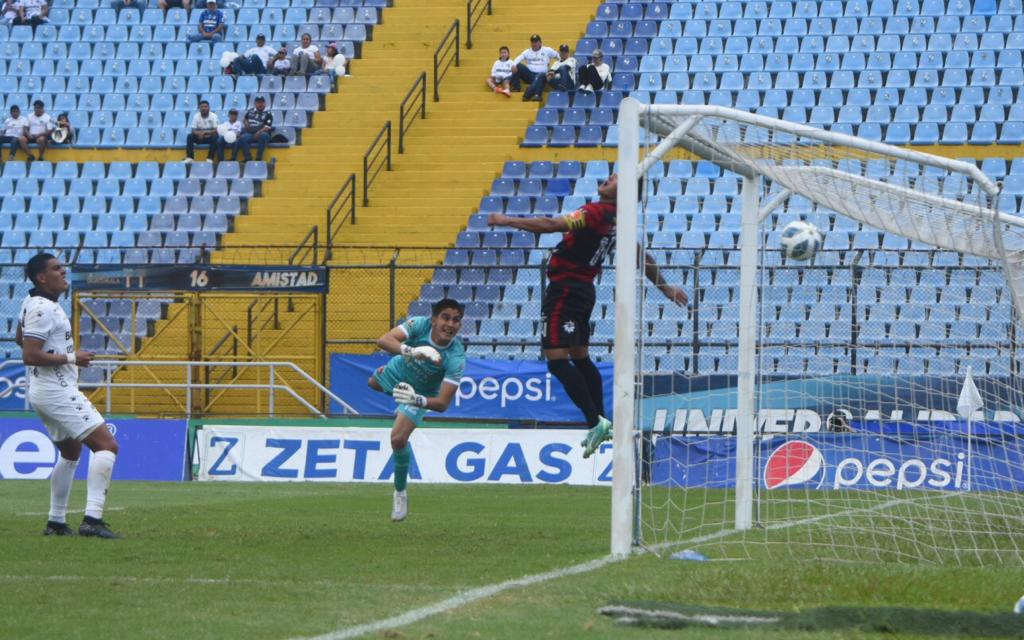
(970, 399)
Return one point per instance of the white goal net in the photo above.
(815, 409)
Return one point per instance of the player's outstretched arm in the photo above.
(533, 225)
(394, 342)
(403, 393)
(675, 294)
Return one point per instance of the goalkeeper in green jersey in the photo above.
(424, 374)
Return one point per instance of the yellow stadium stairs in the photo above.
(451, 158)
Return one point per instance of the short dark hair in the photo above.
(447, 303)
(36, 265)
(202, 102)
(502, 48)
(14, 106)
(37, 103)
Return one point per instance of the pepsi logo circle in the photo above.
(794, 463)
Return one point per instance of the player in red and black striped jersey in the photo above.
(589, 235)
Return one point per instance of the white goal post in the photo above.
(762, 150)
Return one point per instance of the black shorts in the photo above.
(565, 314)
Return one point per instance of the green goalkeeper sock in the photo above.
(402, 459)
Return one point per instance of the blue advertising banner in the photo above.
(940, 461)
(684, 404)
(12, 387)
(149, 450)
(507, 390)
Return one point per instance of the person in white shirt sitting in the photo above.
(562, 76)
(32, 13)
(597, 75)
(306, 58)
(280, 65)
(334, 62)
(16, 133)
(204, 131)
(501, 73)
(255, 61)
(40, 125)
(532, 68)
(229, 133)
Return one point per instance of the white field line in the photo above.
(462, 599)
(259, 582)
(70, 511)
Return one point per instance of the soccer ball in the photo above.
(801, 240)
(1019, 607)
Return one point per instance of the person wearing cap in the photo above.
(211, 24)
(280, 65)
(40, 124)
(257, 125)
(306, 58)
(532, 67)
(501, 73)
(229, 132)
(255, 61)
(204, 131)
(596, 75)
(334, 62)
(562, 75)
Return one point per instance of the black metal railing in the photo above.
(445, 56)
(308, 247)
(376, 157)
(474, 11)
(342, 209)
(417, 94)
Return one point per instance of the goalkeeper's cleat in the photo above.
(601, 432)
(95, 528)
(399, 506)
(58, 529)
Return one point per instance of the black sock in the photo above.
(576, 387)
(592, 377)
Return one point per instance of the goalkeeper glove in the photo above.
(421, 353)
(405, 394)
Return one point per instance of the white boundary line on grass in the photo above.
(468, 597)
(70, 511)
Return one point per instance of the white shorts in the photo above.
(67, 414)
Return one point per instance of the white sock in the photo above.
(101, 466)
(60, 488)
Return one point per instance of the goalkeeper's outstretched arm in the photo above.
(653, 273)
(403, 393)
(393, 341)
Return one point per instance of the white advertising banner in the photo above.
(518, 456)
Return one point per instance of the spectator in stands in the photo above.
(230, 132)
(334, 62)
(168, 4)
(138, 5)
(256, 60)
(64, 132)
(306, 58)
(32, 12)
(16, 133)
(257, 126)
(596, 75)
(501, 73)
(204, 131)
(40, 125)
(10, 11)
(532, 68)
(562, 76)
(280, 65)
(211, 24)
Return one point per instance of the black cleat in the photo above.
(58, 529)
(96, 529)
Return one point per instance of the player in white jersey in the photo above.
(44, 333)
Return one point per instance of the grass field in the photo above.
(297, 560)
